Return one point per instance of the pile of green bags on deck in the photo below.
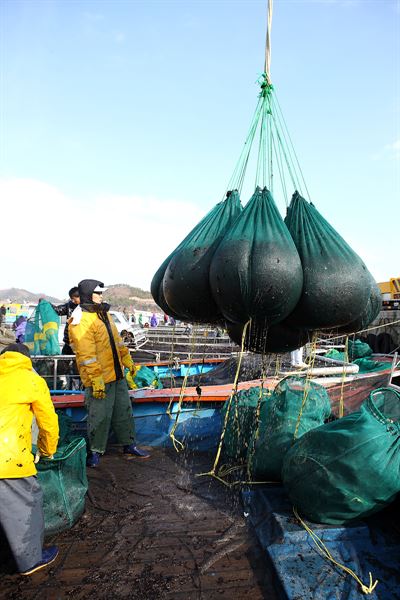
(333, 472)
(356, 349)
(261, 426)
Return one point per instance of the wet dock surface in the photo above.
(152, 530)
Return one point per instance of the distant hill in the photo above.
(19, 296)
(120, 295)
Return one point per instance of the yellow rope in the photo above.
(234, 390)
(382, 326)
(252, 450)
(307, 385)
(172, 377)
(346, 360)
(177, 443)
(326, 554)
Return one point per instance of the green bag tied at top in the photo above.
(350, 468)
(242, 420)
(295, 406)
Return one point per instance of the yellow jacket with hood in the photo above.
(91, 343)
(23, 393)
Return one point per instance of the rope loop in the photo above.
(323, 550)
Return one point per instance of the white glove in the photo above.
(38, 456)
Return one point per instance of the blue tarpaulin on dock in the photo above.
(302, 573)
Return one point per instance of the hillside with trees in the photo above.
(120, 296)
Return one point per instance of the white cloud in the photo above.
(389, 151)
(394, 149)
(53, 240)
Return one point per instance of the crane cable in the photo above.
(267, 64)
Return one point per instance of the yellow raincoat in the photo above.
(23, 393)
(91, 343)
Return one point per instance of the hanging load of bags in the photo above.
(256, 270)
(241, 420)
(181, 285)
(337, 284)
(296, 406)
(261, 339)
(350, 468)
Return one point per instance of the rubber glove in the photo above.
(38, 456)
(131, 384)
(99, 388)
(129, 364)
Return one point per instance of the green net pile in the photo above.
(241, 420)
(295, 406)
(349, 468)
(64, 482)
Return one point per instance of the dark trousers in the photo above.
(114, 411)
(21, 518)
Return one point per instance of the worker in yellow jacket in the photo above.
(101, 357)
(23, 393)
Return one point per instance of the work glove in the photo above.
(99, 388)
(129, 364)
(38, 456)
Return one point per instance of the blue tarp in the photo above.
(302, 573)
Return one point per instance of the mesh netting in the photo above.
(242, 421)
(295, 406)
(64, 482)
(348, 468)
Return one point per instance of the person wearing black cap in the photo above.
(101, 357)
(66, 310)
(24, 393)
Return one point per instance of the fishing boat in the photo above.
(194, 392)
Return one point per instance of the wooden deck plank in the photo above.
(152, 531)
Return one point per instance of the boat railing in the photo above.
(60, 372)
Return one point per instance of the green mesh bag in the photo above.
(366, 365)
(337, 284)
(64, 484)
(185, 283)
(279, 420)
(242, 421)
(358, 349)
(256, 270)
(349, 468)
(41, 334)
(369, 314)
(156, 286)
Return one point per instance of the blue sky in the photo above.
(121, 123)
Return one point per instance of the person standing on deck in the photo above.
(20, 327)
(23, 393)
(67, 310)
(296, 359)
(101, 357)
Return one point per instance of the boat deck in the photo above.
(152, 530)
